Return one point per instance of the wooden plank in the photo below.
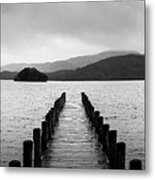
(74, 144)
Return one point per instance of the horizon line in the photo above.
(114, 50)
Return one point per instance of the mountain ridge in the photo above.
(127, 67)
(113, 68)
(69, 64)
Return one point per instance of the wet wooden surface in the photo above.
(74, 144)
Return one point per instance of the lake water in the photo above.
(24, 105)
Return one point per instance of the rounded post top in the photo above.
(136, 164)
(113, 133)
(14, 163)
(36, 129)
(28, 142)
(121, 146)
(100, 118)
(36, 133)
(44, 123)
(97, 113)
(106, 126)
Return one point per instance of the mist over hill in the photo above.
(69, 64)
(124, 67)
(127, 67)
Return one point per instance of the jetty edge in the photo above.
(33, 150)
(115, 151)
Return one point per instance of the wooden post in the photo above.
(56, 106)
(136, 164)
(105, 140)
(64, 97)
(14, 163)
(100, 128)
(55, 116)
(37, 147)
(89, 109)
(86, 107)
(112, 148)
(27, 153)
(44, 137)
(49, 121)
(96, 115)
(120, 155)
(52, 119)
(91, 112)
(82, 97)
(96, 124)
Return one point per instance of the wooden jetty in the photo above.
(86, 142)
(74, 145)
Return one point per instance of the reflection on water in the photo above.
(24, 106)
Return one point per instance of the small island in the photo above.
(31, 74)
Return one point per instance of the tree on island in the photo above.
(30, 74)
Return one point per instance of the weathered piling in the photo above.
(14, 163)
(56, 115)
(58, 106)
(45, 135)
(115, 151)
(120, 155)
(100, 128)
(91, 113)
(59, 103)
(27, 153)
(95, 120)
(112, 148)
(52, 119)
(63, 100)
(37, 147)
(41, 136)
(105, 140)
(135, 164)
(48, 119)
(57, 110)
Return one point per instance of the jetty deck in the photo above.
(74, 135)
(74, 144)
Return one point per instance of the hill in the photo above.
(127, 67)
(30, 74)
(69, 64)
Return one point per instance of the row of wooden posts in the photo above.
(114, 150)
(41, 137)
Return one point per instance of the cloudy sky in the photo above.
(36, 33)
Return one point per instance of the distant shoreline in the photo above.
(119, 68)
(142, 79)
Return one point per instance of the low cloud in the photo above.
(58, 30)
